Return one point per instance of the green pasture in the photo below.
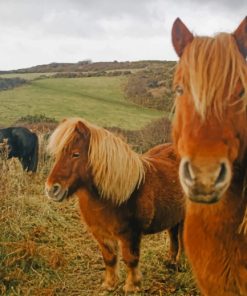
(98, 99)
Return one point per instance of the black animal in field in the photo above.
(20, 142)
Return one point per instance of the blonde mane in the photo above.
(117, 170)
(210, 69)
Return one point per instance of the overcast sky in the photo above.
(34, 32)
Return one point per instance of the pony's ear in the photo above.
(241, 37)
(82, 129)
(181, 36)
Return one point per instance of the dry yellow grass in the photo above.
(45, 249)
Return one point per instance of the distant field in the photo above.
(99, 99)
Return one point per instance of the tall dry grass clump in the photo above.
(30, 255)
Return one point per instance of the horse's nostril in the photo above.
(222, 174)
(56, 189)
(187, 172)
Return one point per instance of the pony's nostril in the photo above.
(222, 174)
(187, 172)
(56, 189)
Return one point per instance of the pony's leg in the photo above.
(34, 156)
(32, 165)
(174, 243)
(24, 162)
(130, 246)
(109, 250)
(180, 240)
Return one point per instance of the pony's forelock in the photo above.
(116, 169)
(209, 70)
(62, 136)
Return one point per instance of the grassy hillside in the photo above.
(99, 99)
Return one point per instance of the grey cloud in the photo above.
(48, 30)
(220, 5)
(91, 18)
(73, 17)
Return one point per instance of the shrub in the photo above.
(8, 83)
(37, 118)
(155, 133)
(152, 87)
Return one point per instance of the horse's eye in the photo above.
(179, 90)
(241, 93)
(75, 154)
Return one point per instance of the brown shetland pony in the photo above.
(122, 194)
(210, 135)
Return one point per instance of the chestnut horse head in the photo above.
(210, 124)
(87, 155)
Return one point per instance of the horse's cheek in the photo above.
(81, 170)
(234, 149)
(181, 147)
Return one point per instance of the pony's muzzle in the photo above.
(56, 192)
(204, 182)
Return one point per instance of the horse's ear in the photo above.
(181, 36)
(82, 129)
(241, 37)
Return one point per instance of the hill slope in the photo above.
(99, 99)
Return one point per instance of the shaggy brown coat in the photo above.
(122, 195)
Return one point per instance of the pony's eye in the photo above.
(179, 90)
(241, 93)
(75, 154)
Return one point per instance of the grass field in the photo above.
(99, 99)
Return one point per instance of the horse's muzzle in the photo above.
(56, 192)
(204, 183)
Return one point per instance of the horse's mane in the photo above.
(210, 69)
(117, 170)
